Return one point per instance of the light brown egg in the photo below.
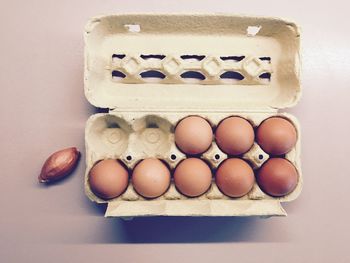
(277, 177)
(151, 178)
(234, 135)
(235, 177)
(192, 177)
(193, 135)
(108, 179)
(276, 136)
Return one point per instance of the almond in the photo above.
(59, 165)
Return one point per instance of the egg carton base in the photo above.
(195, 208)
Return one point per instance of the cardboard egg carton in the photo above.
(151, 71)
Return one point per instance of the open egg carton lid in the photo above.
(177, 62)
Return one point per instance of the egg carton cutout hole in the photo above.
(201, 69)
(251, 31)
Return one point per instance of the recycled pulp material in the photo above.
(151, 71)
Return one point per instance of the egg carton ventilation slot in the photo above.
(206, 69)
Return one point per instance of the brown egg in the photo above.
(151, 178)
(276, 136)
(277, 177)
(108, 179)
(234, 135)
(192, 177)
(193, 135)
(235, 177)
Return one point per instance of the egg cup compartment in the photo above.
(153, 135)
(108, 135)
(213, 66)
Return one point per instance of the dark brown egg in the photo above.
(277, 177)
(193, 135)
(151, 178)
(276, 136)
(192, 177)
(234, 135)
(235, 177)
(108, 179)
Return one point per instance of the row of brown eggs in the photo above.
(235, 135)
(192, 177)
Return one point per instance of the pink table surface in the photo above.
(43, 109)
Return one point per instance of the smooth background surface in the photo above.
(42, 109)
